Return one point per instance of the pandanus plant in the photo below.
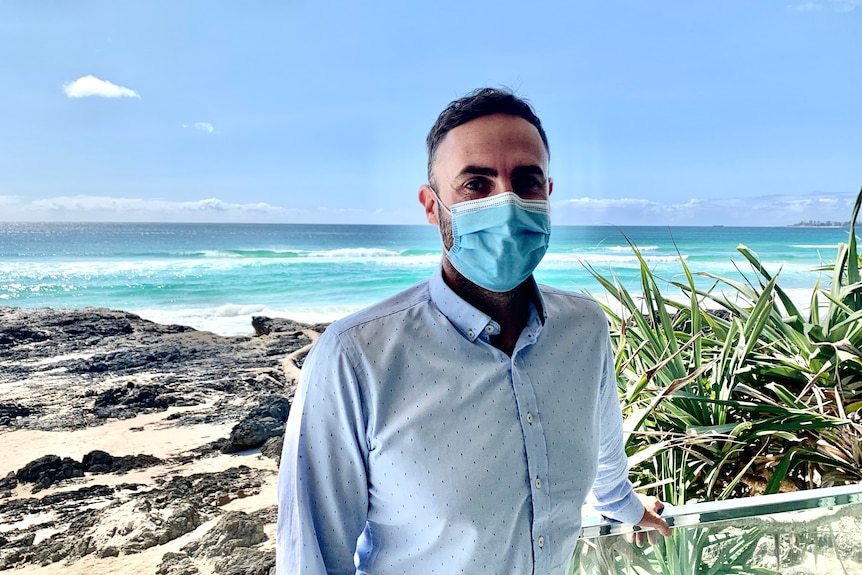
(734, 390)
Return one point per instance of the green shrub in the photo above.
(733, 390)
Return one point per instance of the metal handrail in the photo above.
(728, 509)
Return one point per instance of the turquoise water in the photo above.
(216, 276)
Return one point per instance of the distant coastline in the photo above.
(819, 224)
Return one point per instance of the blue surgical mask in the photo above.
(498, 240)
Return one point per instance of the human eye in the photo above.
(477, 186)
(529, 185)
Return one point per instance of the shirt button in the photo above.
(489, 328)
(541, 541)
(538, 483)
(470, 334)
(530, 418)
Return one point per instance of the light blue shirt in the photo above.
(415, 446)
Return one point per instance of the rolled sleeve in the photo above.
(612, 494)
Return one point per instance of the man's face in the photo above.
(485, 157)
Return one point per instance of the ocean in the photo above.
(214, 277)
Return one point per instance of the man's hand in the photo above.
(651, 519)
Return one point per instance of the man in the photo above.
(458, 426)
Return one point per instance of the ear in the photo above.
(550, 186)
(427, 199)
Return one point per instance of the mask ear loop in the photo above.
(439, 201)
(440, 228)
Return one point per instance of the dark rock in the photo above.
(184, 519)
(251, 433)
(91, 322)
(9, 412)
(144, 397)
(49, 469)
(125, 360)
(9, 482)
(234, 530)
(109, 551)
(722, 314)
(245, 561)
(20, 335)
(102, 462)
(97, 461)
(272, 448)
(266, 325)
(267, 514)
(206, 487)
(299, 360)
(127, 463)
(263, 422)
(276, 407)
(25, 541)
(177, 564)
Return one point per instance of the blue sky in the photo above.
(658, 113)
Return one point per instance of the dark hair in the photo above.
(476, 104)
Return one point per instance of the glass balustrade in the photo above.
(816, 532)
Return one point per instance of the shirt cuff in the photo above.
(630, 511)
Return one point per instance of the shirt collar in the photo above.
(467, 319)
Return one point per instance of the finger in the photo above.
(665, 530)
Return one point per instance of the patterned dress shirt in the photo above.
(414, 446)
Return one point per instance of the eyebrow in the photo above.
(478, 171)
(492, 173)
(529, 170)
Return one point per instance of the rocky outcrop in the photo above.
(123, 365)
(68, 370)
(177, 564)
(261, 424)
(51, 469)
(272, 448)
(230, 544)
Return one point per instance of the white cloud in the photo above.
(768, 210)
(106, 208)
(86, 86)
(11, 200)
(202, 126)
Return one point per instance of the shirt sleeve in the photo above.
(612, 494)
(322, 483)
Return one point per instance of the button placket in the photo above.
(536, 448)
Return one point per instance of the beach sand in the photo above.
(151, 434)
